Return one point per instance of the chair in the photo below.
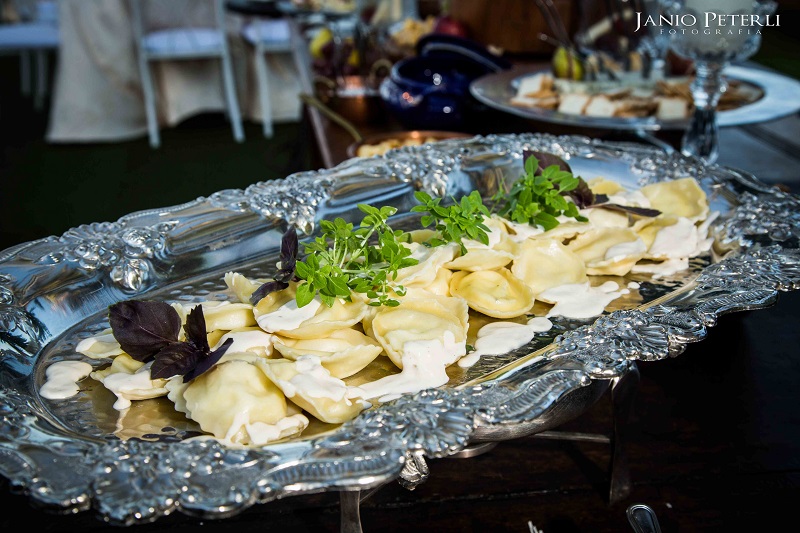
(182, 43)
(33, 39)
(268, 36)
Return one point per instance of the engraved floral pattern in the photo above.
(123, 251)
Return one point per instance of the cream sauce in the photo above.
(315, 381)
(502, 337)
(522, 231)
(288, 316)
(629, 198)
(624, 250)
(99, 346)
(261, 433)
(136, 386)
(62, 379)
(662, 269)
(424, 367)
(581, 300)
(245, 341)
(678, 240)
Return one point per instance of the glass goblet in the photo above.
(713, 34)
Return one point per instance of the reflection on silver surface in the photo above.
(74, 455)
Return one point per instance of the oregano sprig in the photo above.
(455, 222)
(539, 196)
(345, 259)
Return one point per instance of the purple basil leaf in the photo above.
(143, 329)
(641, 211)
(195, 329)
(289, 249)
(265, 289)
(207, 361)
(546, 160)
(582, 195)
(175, 359)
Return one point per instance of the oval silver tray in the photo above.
(781, 98)
(68, 455)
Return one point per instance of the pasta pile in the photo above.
(287, 364)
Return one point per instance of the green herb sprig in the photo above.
(345, 259)
(454, 222)
(539, 196)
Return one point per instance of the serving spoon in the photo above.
(643, 519)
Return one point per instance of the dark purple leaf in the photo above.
(640, 211)
(265, 289)
(175, 359)
(207, 361)
(142, 329)
(289, 249)
(195, 329)
(546, 160)
(583, 196)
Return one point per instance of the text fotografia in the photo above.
(712, 23)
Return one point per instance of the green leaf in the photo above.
(304, 294)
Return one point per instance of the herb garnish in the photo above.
(365, 260)
(148, 331)
(538, 196)
(454, 222)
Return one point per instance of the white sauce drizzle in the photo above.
(581, 300)
(502, 337)
(62, 379)
(99, 346)
(625, 249)
(136, 386)
(629, 198)
(262, 433)
(315, 381)
(633, 285)
(244, 341)
(522, 231)
(424, 364)
(664, 268)
(288, 316)
(675, 241)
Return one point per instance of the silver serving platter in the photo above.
(781, 97)
(70, 455)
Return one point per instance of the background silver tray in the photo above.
(67, 455)
(781, 98)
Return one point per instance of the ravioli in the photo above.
(543, 264)
(418, 319)
(309, 385)
(496, 293)
(343, 353)
(681, 197)
(235, 401)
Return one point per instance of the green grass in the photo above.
(46, 189)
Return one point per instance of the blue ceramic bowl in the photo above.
(431, 90)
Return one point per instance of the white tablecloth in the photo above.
(97, 94)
